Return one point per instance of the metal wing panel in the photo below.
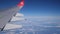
(7, 13)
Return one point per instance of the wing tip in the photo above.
(21, 3)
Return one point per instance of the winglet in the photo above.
(21, 3)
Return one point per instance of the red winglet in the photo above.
(21, 3)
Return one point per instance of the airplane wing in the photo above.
(7, 12)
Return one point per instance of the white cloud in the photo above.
(47, 26)
(46, 19)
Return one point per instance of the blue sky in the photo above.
(36, 7)
(41, 8)
(8, 3)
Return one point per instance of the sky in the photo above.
(8, 3)
(41, 8)
(35, 7)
